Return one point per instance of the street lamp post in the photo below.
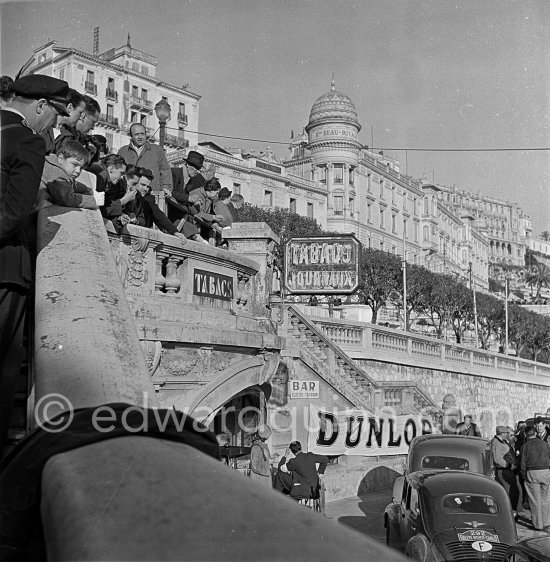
(404, 281)
(506, 315)
(162, 111)
(472, 288)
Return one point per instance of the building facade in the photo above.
(123, 80)
(505, 225)
(331, 178)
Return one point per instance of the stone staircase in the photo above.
(339, 370)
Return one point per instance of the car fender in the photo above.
(397, 491)
(419, 548)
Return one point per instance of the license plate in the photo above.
(477, 535)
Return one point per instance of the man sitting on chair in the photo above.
(304, 481)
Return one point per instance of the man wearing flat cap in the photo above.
(504, 461)
(37, 103)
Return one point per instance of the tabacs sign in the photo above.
(213, 285)
(322, 265)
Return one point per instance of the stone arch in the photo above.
(237, 377)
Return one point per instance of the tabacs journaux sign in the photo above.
(322, 265)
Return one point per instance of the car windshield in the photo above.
(447, 463)
(468, 503)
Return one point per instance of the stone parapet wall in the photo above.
(490, 401)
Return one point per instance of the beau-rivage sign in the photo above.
(322, 264)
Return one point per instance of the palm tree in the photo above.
(538, 276)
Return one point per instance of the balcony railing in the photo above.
(111, 94)
(142, 102)
(108, 120)
(182, 118)
(90, 88)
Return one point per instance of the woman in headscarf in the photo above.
(260, 457)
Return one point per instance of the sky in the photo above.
(422, 74)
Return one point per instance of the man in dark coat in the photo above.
(185, 181)
(144, 211)
(467, 427)
(37, 103)
(303, 467)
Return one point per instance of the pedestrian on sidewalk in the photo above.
(535, 468)
(260, 457)
(467, 427)
(504, 461)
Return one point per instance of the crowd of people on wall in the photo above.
(50, 157)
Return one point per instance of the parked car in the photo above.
(449, 452)
(533, 549)
(446, 452)
(450, 515)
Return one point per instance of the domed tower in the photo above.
(333, 131)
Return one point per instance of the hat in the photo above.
(263, 431)
(36, 86)
(502, 429)
(539, 419)
(195, 159)
(224, 192)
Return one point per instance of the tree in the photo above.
(461, 310)
(545, 235)
(490, 317)
(379, 277)
(284, 224)
(520, 322)
(419, 282)
(438, 304)
(538, 276)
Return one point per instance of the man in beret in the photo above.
(37, 102)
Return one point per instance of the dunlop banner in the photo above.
(358, 432)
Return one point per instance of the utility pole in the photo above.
(404, 280)
(506, 315)
(472, 288)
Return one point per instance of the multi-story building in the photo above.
(123, 81)
(330, 177)
(507, 228)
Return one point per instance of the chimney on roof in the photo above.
(95, 51)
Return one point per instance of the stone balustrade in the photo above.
(153, 263)
(344, 373)
(370, 341)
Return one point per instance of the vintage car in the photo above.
(450, 515)
(446, 452)
(449, 452)
(533, 549)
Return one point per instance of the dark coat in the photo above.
(472, 431)
(305, 477)
(153, 158)
(147, 213)
(178, 205)
(23, 153)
